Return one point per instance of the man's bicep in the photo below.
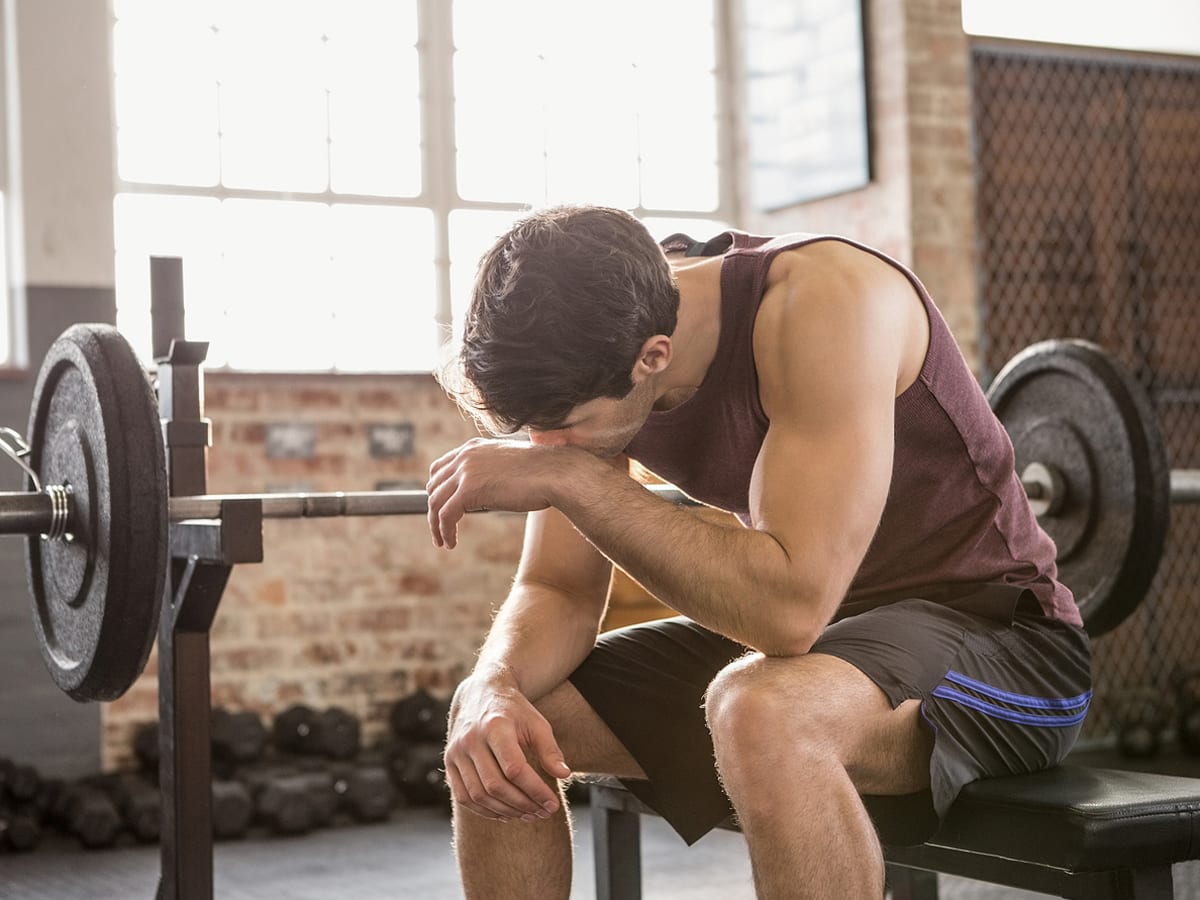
(556, 555)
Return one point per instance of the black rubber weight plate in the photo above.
(94, 426)
(1069, 405)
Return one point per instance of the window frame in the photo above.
(439, 188)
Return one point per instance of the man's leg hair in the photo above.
(797, 741)
(532, 860)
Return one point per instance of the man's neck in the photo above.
(697, 331)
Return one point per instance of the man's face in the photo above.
(604, 426)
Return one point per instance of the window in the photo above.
(1162, 26)
(331, 170)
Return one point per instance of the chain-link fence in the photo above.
(1088, 180)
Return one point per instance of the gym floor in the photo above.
(409, 857)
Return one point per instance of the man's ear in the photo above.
(653, 358)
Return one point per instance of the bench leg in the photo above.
(1151, 883)
(616, 841)
(911, 884)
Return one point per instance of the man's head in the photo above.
(562, 308)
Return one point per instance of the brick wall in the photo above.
(355, 611)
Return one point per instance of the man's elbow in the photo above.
(797, 626)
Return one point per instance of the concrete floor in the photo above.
(408, 858)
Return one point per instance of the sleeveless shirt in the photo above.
(956, 514)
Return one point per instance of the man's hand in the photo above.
(488, 474)
(492, 729)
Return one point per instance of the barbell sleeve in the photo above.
(26, 512)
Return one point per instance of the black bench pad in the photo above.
(1078, 819)
(1054, 831)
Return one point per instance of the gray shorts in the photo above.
(1003, 688)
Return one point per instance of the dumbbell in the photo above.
(1141, 718)
(1187, 698)
(420, 717)
(364, 790)
(419, 772)
(18, 832)
(237, 737)
(89, 814)
(334, 733)
(287, 801)
(232, 809)
(41, 806)
(138, 802)
(21, 783)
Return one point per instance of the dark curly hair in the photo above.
(561, 306)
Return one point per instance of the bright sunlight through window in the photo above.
(331, 170)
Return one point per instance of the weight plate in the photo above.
(94, 427)
(1071, 406)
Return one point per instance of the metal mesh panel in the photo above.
(1088, 192)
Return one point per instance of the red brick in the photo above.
(388, 618)
(422, 584)
(273, 593)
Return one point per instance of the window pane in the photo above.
(274, 113)
(165, 96)
(501, 145)
(374, 98)
(385, 293)
(148, 225)
(591, 138)
(276, 285)
(579, 107)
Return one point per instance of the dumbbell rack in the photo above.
(203, 554)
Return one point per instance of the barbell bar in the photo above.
(1084, 439)
(27, 512)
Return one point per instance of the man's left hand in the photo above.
(494, 474)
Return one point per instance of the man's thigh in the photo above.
(829, 706)
(1000, 693)
(587, 743)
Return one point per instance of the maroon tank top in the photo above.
(956, 513)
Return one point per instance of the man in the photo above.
(887, 622)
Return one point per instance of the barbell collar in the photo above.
(1185, 485)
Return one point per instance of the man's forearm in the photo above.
(539, 637)
(735, 581)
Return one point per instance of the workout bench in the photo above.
(1072, 831)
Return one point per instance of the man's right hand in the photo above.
(496, 738)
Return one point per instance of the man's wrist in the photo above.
(496, 674)
(577, 469)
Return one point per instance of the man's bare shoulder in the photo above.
(829, 303)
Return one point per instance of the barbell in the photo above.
(98, 513)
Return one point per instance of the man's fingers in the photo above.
(459, 792)
(476, 792)
(546, 750)
(539, 797)
(444, 512)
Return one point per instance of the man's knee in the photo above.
(748, 696)
(811, 702)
